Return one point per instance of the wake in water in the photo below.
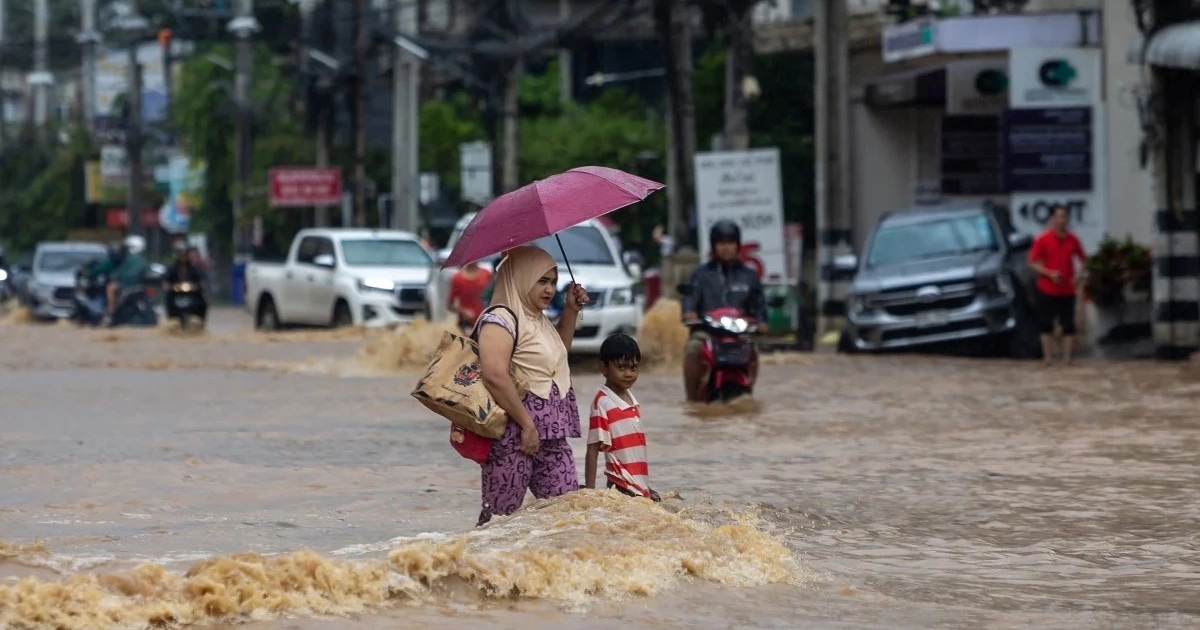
(584, 546)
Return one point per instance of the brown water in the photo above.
(289, 480)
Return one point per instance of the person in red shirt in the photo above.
(466, 293)
(1053, 257)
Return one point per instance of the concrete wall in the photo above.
(1131, 201)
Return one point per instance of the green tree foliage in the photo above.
(41, 190)
(444, 125)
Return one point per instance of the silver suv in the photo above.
(52, 279)
(942, 274)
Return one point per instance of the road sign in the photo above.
(304, 187)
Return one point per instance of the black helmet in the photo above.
(725, 231)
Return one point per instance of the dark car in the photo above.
(940, 274)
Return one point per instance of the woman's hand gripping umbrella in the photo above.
(547, 207)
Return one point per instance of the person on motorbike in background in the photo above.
(128, 274)
(184, 270)
(722, 282)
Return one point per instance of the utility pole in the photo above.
(88, 39)
(405, 130)
(738, 57)
(40, 78)
(164, 41)
(320, 213)
(243, 27)
(674, 26)
(832, 177)
(360, 110)
(133, 140)
(509, 178)
(3, 98)
(564, 56)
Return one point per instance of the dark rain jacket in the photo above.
(717, 285)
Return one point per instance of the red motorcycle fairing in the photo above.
(729, 355)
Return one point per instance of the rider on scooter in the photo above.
(128, 275)
(724, 281)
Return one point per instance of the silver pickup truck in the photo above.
(939, 274)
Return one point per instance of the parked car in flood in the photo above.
(942, 274)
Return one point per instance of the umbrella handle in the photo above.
(564, 253)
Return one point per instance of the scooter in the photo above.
(134, 306)
(89, 297)
(185, 302)
(729, 355)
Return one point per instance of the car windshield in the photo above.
(384, 253)
(937, 238)
(64, 260)
(585, 244)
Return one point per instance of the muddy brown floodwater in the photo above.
(289, 481)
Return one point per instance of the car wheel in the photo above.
(268, 317)
(846, 342)
(1024, 342)
(342, 316)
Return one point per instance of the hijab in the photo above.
(540, 353)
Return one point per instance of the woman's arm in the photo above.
(495, 355)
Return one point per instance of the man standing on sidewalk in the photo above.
(1053, 257)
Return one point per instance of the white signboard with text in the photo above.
(745, 187)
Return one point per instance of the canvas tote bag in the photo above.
(453, 388)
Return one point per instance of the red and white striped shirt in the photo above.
(617, 426)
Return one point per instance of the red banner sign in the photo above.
(302, 187)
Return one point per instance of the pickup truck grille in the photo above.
(912, 300)
(410, 300)
(64, 293)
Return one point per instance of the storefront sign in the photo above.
(972, 152)
(977, 86)
(1049, 149)
(1055, 77)
(298, 186)
(1087, 212)
(476, 164)
(909, 40)
(745, 187)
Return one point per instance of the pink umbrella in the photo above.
(547, 206)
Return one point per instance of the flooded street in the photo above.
(152, 478)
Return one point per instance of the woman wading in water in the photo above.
(533, 454)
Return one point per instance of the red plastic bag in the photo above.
(470, 445)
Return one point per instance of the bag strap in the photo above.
(516, 324)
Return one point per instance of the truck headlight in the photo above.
(999, 283)
(621, 297)
(375, 286)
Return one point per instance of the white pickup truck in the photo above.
(344, 277)
(617, 300)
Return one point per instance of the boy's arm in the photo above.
(589, 467)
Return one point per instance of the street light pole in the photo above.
(405, 85)
(243, 27)
(88, 37)
(133, 141)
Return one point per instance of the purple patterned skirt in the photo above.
(508, 472)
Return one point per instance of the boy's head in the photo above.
(619, 359)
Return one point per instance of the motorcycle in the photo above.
(185, 302)
(134, 306)
(90, 297)
(729, 355)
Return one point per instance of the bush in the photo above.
(1114, 266)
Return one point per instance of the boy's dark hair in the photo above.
(620, 347)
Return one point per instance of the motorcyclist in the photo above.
(128, 273)
(183, 270)
(723, 282)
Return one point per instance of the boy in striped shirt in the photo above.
(616, 424)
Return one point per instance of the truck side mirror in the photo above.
(324, 260)
(1020, 241)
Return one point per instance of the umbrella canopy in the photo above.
(547, 207)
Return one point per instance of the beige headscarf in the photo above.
(540, 352)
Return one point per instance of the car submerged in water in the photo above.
(942, 274)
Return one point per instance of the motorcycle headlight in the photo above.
(3, 275)
(375, 286)
(621, 297)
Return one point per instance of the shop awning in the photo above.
(922, 87)
(1176, 46)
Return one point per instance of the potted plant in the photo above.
(1116, 266)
